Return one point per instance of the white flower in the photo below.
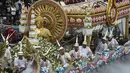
(33, 21)
(33, 27)
(22, 29)
(33, 11)
(23, 16)
(23, 11)
(23, 21)
(33, 16)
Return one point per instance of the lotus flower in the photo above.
(23, 21)
(105, 17)
(22, 29)
(94, 19)
(33, 16)
(72, 20)
(100, 18)
(33, 21)
(33, 27)
(23, 16)
(129, 10)
(22, 6)
(97, 19)
(32, 11)
(23, 11)
(79, 20)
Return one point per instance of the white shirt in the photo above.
(99, 44)
(29, 68)
(103, 46)
(85, 51)
(113, 43)
(46, 64)
(8, 53)
(64, 59)
(75, 54)
(20, 63)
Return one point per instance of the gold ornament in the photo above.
(41, 30)
(52, 15)
(112, 12)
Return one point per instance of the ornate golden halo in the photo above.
(112, 12)
(54, 16)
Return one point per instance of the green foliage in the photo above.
(49, 51)
(29, 48)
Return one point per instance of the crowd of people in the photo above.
(10, 11)
(21, 64)
(78, 53)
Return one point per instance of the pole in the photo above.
(89, 15)
(88, 3)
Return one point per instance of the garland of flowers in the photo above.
(49, 51)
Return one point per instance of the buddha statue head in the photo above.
(45, 21)
(39, 21)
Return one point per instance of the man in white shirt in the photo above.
(112, 42)
(85, 50)
(103, 46)
(64, 57)
(75, 53)
(46, 65)
(20, 63)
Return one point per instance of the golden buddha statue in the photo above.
(41, 30)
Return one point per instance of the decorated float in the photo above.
(55, 20)
(88, 17)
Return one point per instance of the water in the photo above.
(119, 66)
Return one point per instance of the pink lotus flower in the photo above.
(94, 19)
(79, 20)
(72, 20)
(102, 18)
(97, 19)
(105, 17)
